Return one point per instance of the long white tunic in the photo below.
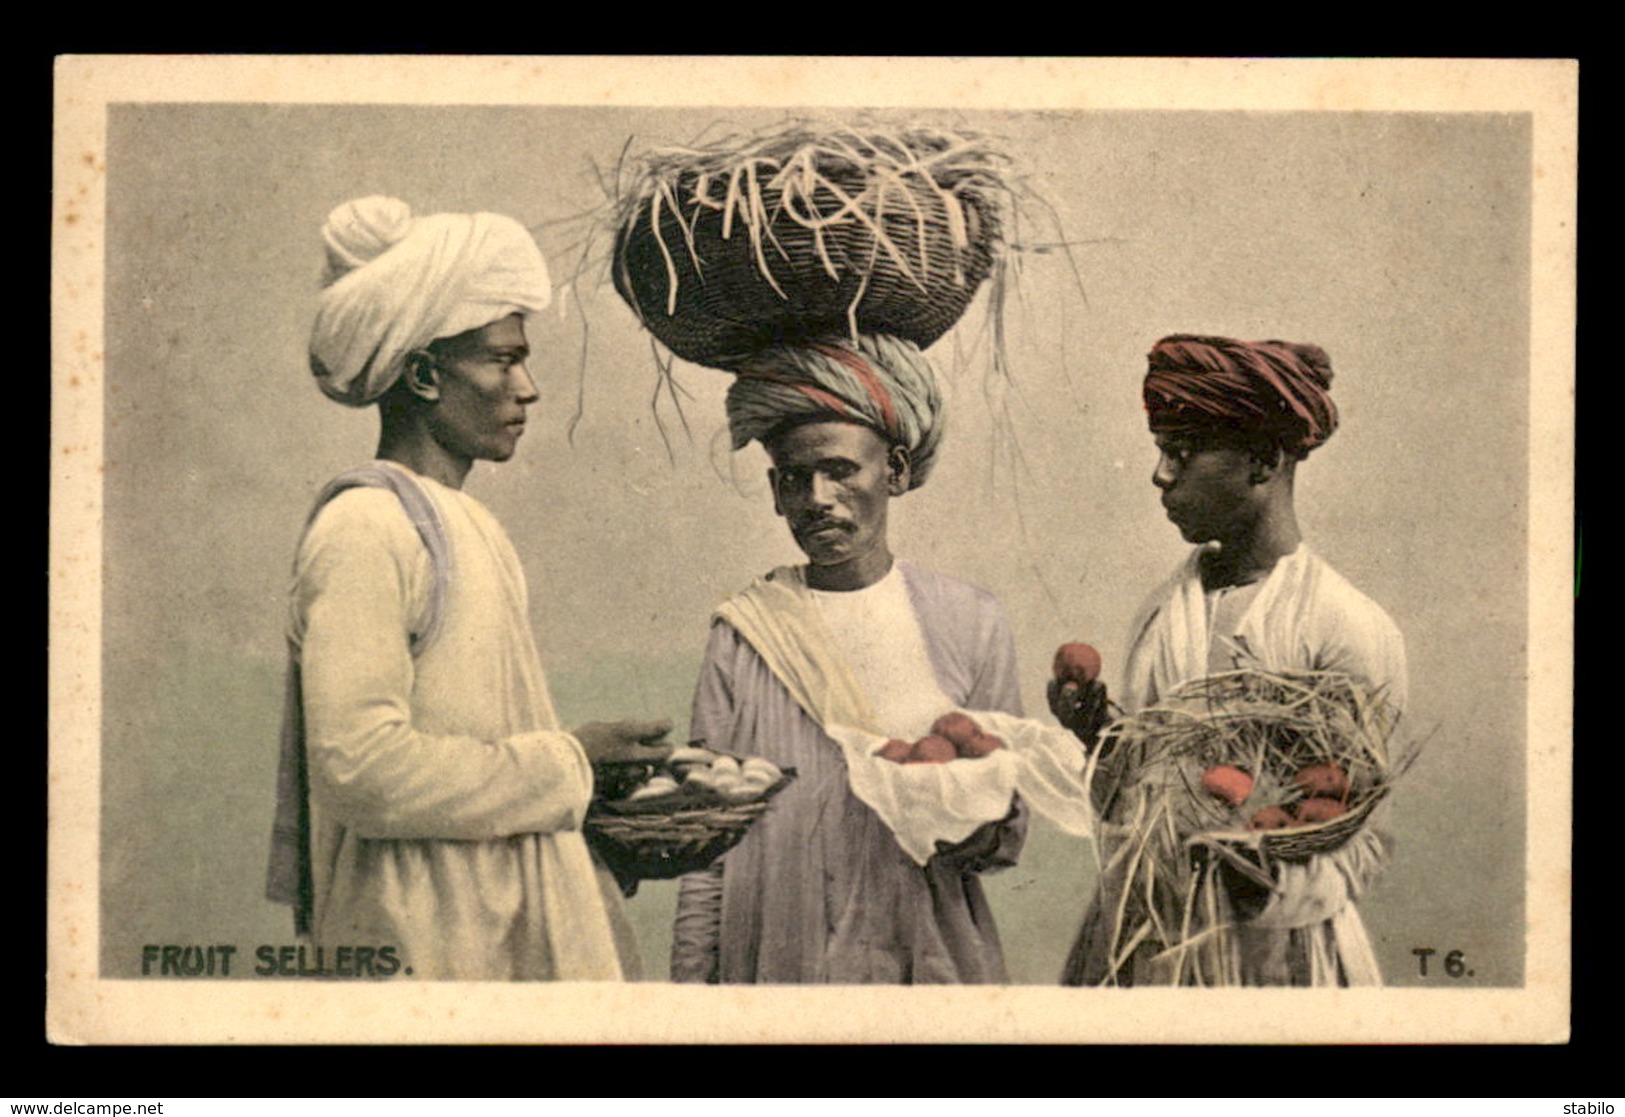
(1304, 616)
(446, 804)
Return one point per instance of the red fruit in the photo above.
(1269, 818)
(1077, 663)
(933, 749)
(957, 727)
(980, 745)
(1326, 781)
(1224, 781)
(896, 751)
(1320, 810)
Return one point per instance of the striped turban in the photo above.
(880, 381)
(1275, 390)
(395, 283)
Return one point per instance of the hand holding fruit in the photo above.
(1077, 697)
(624, 740)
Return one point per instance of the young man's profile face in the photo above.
(484, 390)
(832, 483)
(1207, 486)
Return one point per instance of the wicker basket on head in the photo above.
(795, 233)
(663, 838)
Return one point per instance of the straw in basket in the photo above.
(798, 233)
(1166, 916)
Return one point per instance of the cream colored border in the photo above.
(84, 1009)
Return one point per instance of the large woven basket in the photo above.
(713, 291)
(663, 838)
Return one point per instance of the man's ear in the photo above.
(898, 471)
(773, 484)
(1266, 464)
(422, 376)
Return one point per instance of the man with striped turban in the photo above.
(429, 805)
(819, 890)
(1232, 420)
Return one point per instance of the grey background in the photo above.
(1399, 242)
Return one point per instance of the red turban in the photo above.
(877, 380)
(1276, 390)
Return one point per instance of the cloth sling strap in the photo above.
(778, 618)
(289, 879)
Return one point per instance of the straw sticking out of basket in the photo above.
(801, 232)
(1172, 835)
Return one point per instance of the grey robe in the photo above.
(819, 891)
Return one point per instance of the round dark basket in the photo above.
(665, 838)
(1299, 843)
(726, 308)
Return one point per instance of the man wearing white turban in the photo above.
(429, 805)
(394, 283)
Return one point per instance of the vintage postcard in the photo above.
(1415, 220)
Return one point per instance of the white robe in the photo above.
(1305, 616)
(446, 804)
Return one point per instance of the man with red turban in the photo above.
(1232, 420)
(819, 890)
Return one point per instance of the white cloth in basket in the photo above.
(923, 804)
(920, 803)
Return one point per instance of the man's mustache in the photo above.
(807, 527)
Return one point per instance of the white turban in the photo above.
(395, 282)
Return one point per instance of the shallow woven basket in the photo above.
(661, 839)
(1299, 843)
(726, 308)
(1170, 736)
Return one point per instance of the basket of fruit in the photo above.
(941, 787)
(1292, 764)
(1230, 772)
(655, 821)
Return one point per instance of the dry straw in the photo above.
(805, 231)
(1168, 918)
(832, 226)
